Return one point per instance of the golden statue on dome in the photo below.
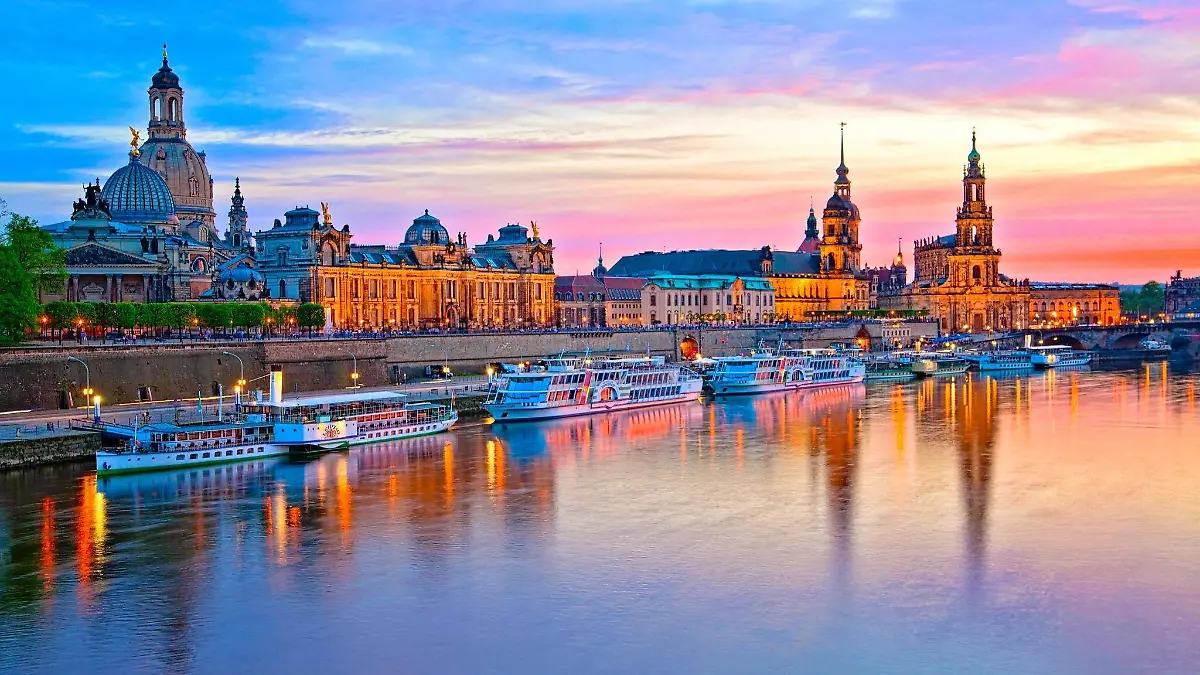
(326, 216)
(533, 226)
(135, 143)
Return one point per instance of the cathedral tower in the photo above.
(974, 261)
(840, 250)
(168, 152)
(236, 236)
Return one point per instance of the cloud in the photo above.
(357, 46)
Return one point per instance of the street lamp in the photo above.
(241, 383)
(354, 373)
(87, 375)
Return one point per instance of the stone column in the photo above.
(109, 295)
(120, 290)
(146, 297)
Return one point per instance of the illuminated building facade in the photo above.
(1073, 304)
(957, 277)
(429, 280)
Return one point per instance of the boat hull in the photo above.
(503, 414)
(108, 462)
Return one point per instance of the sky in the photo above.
(643, 124)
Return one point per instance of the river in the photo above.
(1044, 523)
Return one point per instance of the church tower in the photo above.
(237, 237)
(974, 261)
(812, 235)
(168, 152)
(840, 251)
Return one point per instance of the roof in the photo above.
(136, 193)
(800, 262)
(1055, 286)
(334, 399)
(708, 282)
(710, 261)
(92, 254)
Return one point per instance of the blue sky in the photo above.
(646, 125)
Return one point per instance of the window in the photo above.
(283, 288)
(330, 288)
(281, 257)
(976, 273)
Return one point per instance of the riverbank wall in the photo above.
(51, 448)
(41, 377)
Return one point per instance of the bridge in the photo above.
(1182, 336)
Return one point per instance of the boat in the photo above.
(1004, 360)
(571, 386)
(781, 370)
(305, 425)
(1152, 345)
(939, 364)
(1058, 356)
(889, 367)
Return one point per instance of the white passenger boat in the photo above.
(570, 386)
(768, 370)
(1058, 356)
(303, 425)
(1004, 360)
(939, 364)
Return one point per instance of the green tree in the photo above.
(62, 314)
(310, 315)
(36, 253)
(215, 315)
(18, 299)
(106, 315)
(249, 314)
(1153, 298)
(127, 315)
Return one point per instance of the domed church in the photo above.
(149, 234)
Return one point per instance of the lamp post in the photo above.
(354, 372)
(241, 383)
(87, 379)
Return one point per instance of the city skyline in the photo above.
(690, 125)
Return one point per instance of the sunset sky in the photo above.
(644, 124)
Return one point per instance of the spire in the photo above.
(600, 271)
(899, 262)
(842, 171)
(238, 201)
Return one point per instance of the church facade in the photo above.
(957, 276)
(149, 234)
(429, 280)
(825, 273)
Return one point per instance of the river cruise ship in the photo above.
(297, 426)
(768, 370)
(1001, 360)
(1058, 356)
(939, 364)
(571, 386)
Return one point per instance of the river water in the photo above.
(1046, 523)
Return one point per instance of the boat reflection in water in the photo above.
(603, 434)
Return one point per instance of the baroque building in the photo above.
(148, 234)
(824, 273)
(599, 300)
(957, 276)
(430, 280)
(1061, 304)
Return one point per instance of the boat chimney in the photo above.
(276, 386)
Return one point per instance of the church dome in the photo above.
(137, 194)
(835, 202)
(185, 173)
(165, 78)
(426, 230)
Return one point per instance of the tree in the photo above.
(18, 299)
(62, 314)
(127, 315)
(1153, 298)
(248, 315)
(106, 315)
(36, 252)
(215, 315)
(310, 315)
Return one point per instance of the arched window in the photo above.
(281, 257)
(829, 264)
(283, 288)
(976, 273)
(328, 255)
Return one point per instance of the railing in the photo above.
(12, 432)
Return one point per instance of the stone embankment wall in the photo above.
(34, 378)
(58, 447)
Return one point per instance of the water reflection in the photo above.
(927, 514)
